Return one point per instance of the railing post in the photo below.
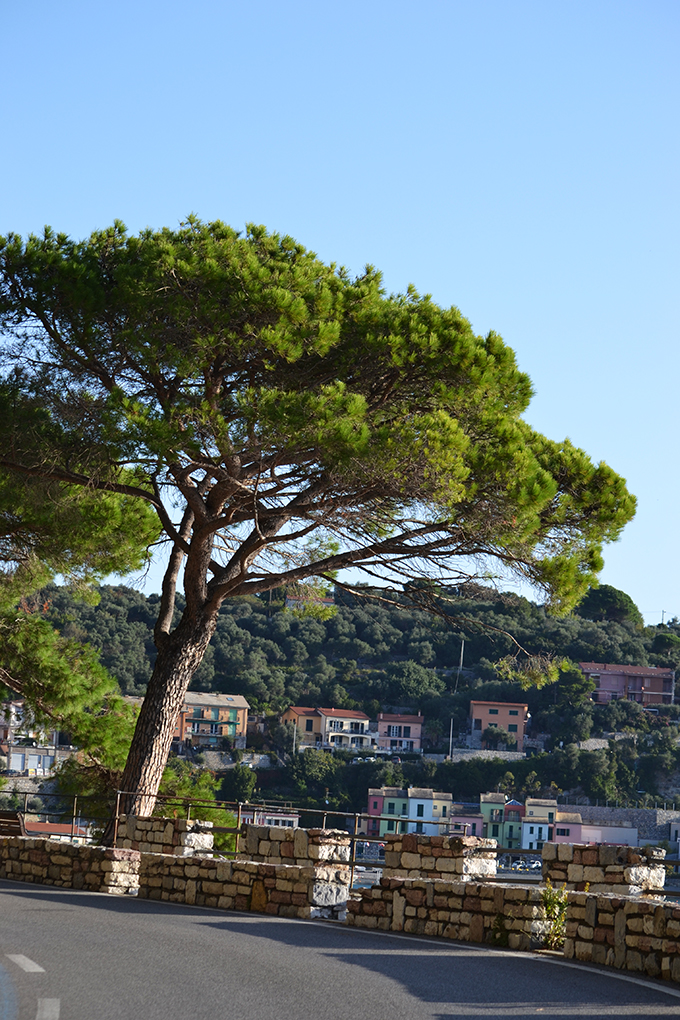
(238, 827)
(353, 855)
(115, 824)
(73, 816)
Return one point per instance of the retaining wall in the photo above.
(601, 868)
(284, 890)
(468, 858)
(164, 835)
(625, 932)
(48, 862)
(466, 910)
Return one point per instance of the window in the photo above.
(407, 731)
(404, 809)
(215, 729)
(510, 830)
(493, 711)
(309, 725)
(562, 832)
(513, 711)
(390, 825)
(214, 713)
(444, 811)
(550, 833)
(404, 827)
(390, 807)
(198, 714)
(419, 826)
(512, 728)
(494, 830)
(477, 725)
(531, 830)
(375, 805)
(474, 829)
(420, 810)
(551, 816)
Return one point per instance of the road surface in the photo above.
(68, 955)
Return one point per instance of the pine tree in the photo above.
(283, 421)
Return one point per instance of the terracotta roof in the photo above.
(342, 713)
(604, 667)
(508, 704)
(302, 710)
(392, 717)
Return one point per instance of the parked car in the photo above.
(396, 760)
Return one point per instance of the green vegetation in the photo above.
(280, 421)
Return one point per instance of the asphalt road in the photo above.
(102, 957)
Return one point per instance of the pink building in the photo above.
(648, 685)
(400, 732)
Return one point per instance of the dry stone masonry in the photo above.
(625, 870)
(635, 934)
(164, 835)
(453, 909)
(277, 844)
(48, 862)
(465, 858)
(285, 890)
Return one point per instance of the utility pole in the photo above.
(451, 738)
(460, 664)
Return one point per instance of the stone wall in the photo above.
(284, 890)
(624, 870)
(164, 835)
(468, 858)
(47, 862)
(280, 844)
(453, 909)
(631, 934)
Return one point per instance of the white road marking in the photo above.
(48, 1009)
(23, 961)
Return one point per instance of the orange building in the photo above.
(508, 715)
(206, 719)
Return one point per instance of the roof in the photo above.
(569, 816)
(541, 803)
(492, 798)
(414, 792)
(604, 667)
(221, 700)
(342, 713)
(395, 717)
(507, 704)
(301, 710)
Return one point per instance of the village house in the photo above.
(206, 719)
(510, 716)
(648, 685)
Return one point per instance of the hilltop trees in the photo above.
(282, 421)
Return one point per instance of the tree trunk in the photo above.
(178, 659)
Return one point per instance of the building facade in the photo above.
(329, 727)
(647, 685)
(206, 719)
(393, 809)
(399, 732)
(510, 716)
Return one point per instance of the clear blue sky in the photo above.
(516, 159)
